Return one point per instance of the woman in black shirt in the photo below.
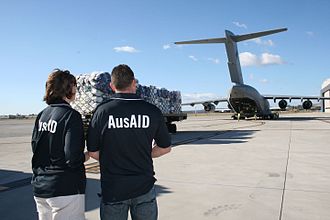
(59, 178)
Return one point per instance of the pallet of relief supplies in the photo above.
(93, 89)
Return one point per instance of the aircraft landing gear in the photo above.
(275, 115)
(238, 116)
(271, 116)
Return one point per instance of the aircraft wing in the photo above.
(206, 102)
(291, 97)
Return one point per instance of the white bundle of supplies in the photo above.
(93, 89)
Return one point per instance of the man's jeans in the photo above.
(141, 208)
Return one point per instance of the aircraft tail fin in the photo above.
(230, 42)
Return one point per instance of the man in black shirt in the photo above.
(125, 133)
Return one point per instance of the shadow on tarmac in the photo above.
(212, 137)
(307, 118)
(17, 202)
(16, 197)
(161, 190)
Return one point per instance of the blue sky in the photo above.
(85, 36)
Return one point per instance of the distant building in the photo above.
(325, 91)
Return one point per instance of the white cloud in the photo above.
(264, 80)
(240, 25)
(166, 46)
(193, 58)
(268, 59)
(214, 60)
(250, 59)
(310, 33)
(126, 49)
(263, 42)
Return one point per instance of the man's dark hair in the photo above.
(122, 76)
(59, 84)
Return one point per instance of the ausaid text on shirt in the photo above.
(134, 121)
(48, 126)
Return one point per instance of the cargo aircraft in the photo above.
(243, 99)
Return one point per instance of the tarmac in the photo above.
(219, 168)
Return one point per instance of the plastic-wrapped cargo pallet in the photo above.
(93, 89)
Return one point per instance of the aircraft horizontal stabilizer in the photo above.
(235, 38)
(203, 41)
(238, 38)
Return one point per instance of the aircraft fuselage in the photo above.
(246, 100)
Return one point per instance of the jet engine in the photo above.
(282, 104)
(307, 104)
(209, 107)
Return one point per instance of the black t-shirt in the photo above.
(123, 129)
(58, 145)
